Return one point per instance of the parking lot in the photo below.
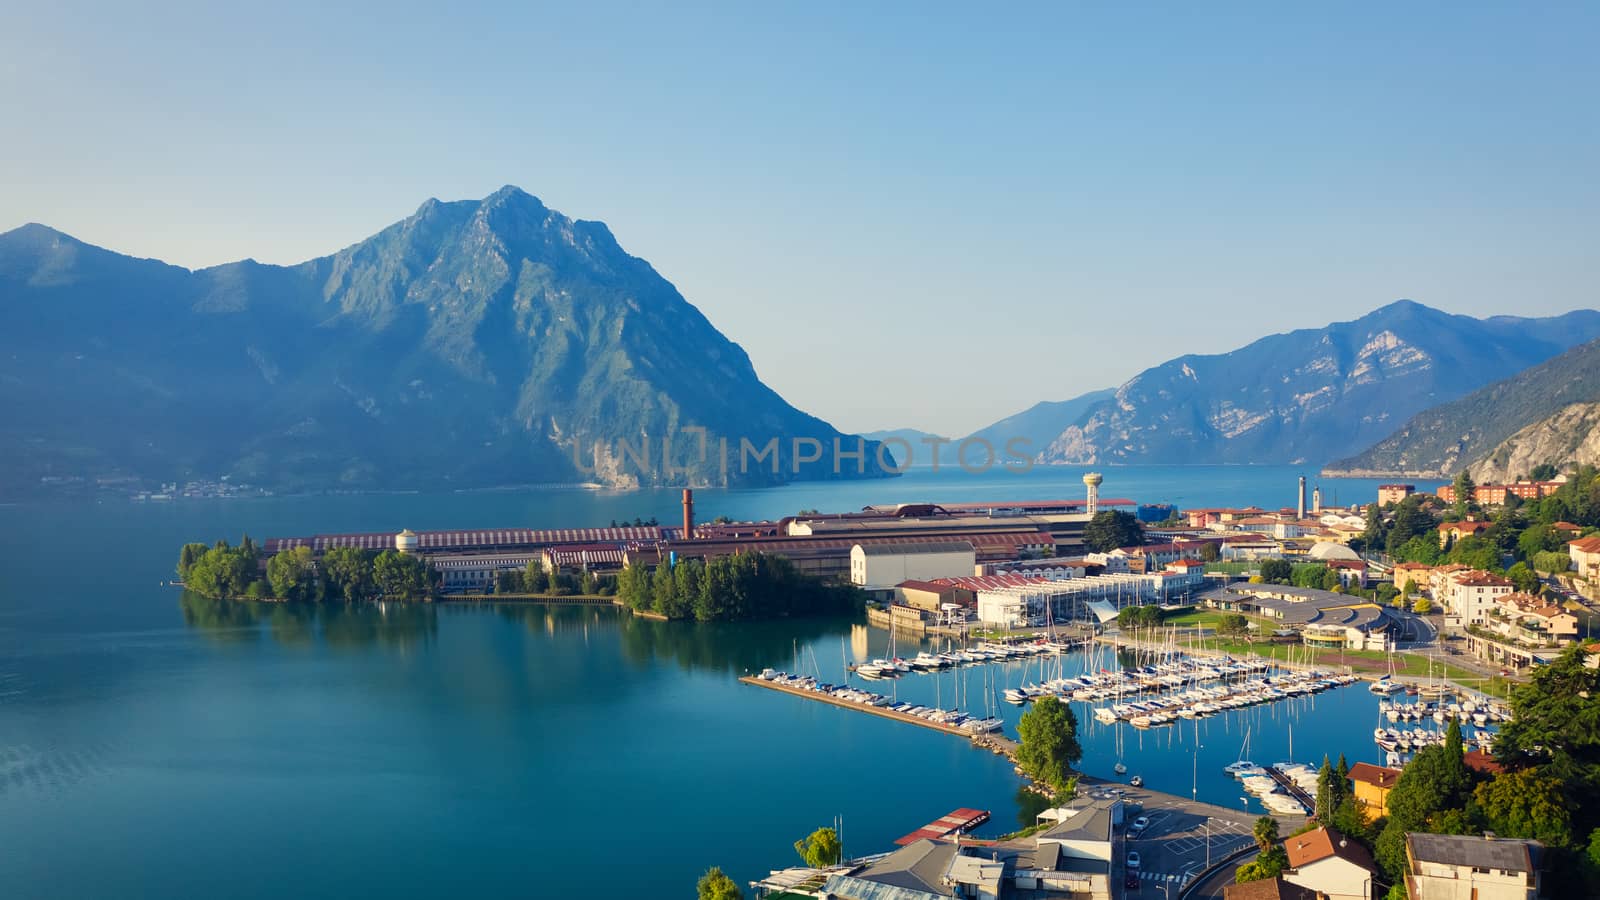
(1182, 836)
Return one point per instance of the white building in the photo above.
(1467, 867)
(1470, 594)
(882, 566)
(1331, 864)
(1585, 553)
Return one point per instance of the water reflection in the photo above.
(733, 647)
(339, 625)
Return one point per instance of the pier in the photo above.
(1291, 788)
(994, 742)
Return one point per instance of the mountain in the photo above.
(1571, 435)
(1033, 429)
(1313, 394)
(1440, 441)
(1041, 423)
(473, 344)
(919, 453)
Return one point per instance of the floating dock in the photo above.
(859, 707)
(959, 822)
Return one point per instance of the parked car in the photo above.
(1132, 882)
(1133, 859)
(1139, 825)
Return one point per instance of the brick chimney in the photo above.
(688, 514)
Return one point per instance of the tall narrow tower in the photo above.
(688, 515)
(1316, 500)
(1301, 507)
(1092, 480)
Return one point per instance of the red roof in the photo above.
(957, 822)
(1590, 544)
(930, 586)
(1380, 776)
(1479, 761)
(990, 582)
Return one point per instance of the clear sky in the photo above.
(909, 214)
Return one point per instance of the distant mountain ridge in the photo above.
(473, 344)
(1314, 394)
(1444, 439)
(1028, 432)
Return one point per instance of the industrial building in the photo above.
(882, 566)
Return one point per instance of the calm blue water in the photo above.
(151, 746)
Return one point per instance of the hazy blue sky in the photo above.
(908, 215)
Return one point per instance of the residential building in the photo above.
(1411, 575)
(1372, 787)
(1450, 532)
(1495, 494)
(1470, 594)
(1533, 621)
(1585, 553)
(1330, 864)
(881, 566)
(1467, 867)
(1394, 493)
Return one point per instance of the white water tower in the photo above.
(1092, 481)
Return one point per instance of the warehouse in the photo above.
(882, 566)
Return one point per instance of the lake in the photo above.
(157, 745)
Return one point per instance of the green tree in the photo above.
(1210, 552)
(293, 575)
(714, 885)
(1410, 521)
(1464, 487)
(820, 848)
(187, 557)
(1551, 563)
(401, 575)
(1524, 578)
(1048, 747)
(1110, 529)
(1270, 864)
(1422, 606)
(1232, 625)
(223, 572)
(1525, 804)
(534, 579)
(1555, 728)
(1276, 571)
(349, 572)
(1544, 472)
(1265, 832)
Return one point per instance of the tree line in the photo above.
(225, 572)
(731, 588)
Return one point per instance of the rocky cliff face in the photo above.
(1310, 395)
(1570, 436)
(475, 343)
(1442, 440)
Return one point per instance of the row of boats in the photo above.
(1199, 702)
(1479, 713)
(1108, 684)
(952, 718)
(1261, 784)
(1410, 740)
(978, 654)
